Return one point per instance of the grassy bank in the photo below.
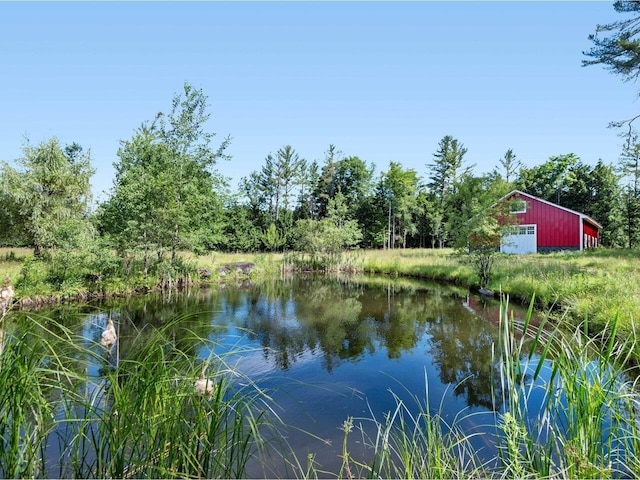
(598, 285)
(79, 275)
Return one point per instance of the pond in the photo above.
(327, 349)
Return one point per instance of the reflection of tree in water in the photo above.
(400, 318)
(320, 318)
(335, 320)
(461, 346)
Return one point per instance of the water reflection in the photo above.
(325, 348)
(337, 321)
(328, 321)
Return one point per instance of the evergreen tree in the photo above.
(48, 196)
(630, 168)
(605, 203)
(444, 173)
(511, 165)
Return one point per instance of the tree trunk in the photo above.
(174, 245)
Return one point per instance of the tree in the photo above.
(619, 49)
(605, 203)
(511, 165)
(485, 236)
(630, 168)
(326, 186)
(241, 234)
(49, 193)
(273, 186)
(353, 179)
(307, 202)
(272, 238)
(324, 240)
(164, 194)
(398, 191)
(552, 180)
(444, 173)
(473, 195)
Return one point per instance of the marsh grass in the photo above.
(140, 418)
(34, 371)
(582, 426)
(567, 409)
(598, 284)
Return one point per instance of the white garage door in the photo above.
(523, 239)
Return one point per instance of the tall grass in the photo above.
(140, 418)
(34, 371)
(582, 426)
(565, 408)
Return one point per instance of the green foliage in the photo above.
(273, 186)
(443, 183)
(350, 176)
(142, 417)
(324, 240)
(586, 421)
(485, 236)
(397, 197)
(511, 165)
(48, 195)
(33, 278)
(164, 195)
(240, 232)
(552, 180)
(620, 51)
(272, 238)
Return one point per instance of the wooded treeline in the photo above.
(168, 196)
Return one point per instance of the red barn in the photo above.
(543, 226)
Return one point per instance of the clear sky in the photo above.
(383, 81)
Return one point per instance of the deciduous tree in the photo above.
(164, 194)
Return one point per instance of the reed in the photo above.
(141, 418)
(416, 442)
(582, 426)
(35, 370)
(565, 408)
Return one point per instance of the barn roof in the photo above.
(524, 194)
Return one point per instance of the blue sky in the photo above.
(383, 81)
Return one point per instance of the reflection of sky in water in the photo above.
(324, 352)
(309, 397)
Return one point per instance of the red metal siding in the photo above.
(590, 230)
(556, 227)
(590, 235)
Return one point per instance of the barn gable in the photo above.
(543, 226)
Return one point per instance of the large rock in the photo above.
(243, 268)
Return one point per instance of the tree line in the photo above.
(168, 196)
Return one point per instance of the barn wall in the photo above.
(590, 234)
(557, 228)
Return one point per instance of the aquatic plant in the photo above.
(140, 418)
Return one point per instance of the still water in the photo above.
(327, 349)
